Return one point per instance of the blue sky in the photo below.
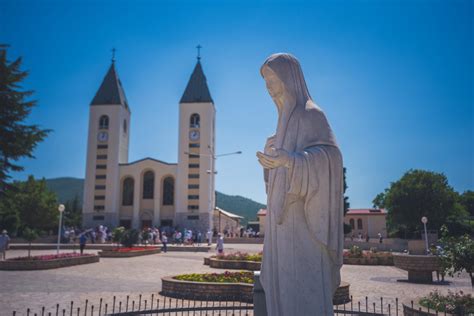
(395, 79)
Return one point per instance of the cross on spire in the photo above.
(199, 51)
(113, 55)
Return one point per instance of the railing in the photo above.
(159, 305)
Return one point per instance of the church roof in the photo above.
(111, 91)
(197, 90)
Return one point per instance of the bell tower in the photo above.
(195, 179)
(107, 147)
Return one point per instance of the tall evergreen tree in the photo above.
(17, 139)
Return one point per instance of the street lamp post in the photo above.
(211, 173)
(61, 210)
(424, 220)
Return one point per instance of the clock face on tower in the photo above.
(194, 135)
(102, 136)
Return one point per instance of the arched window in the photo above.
(104, 122)
(352, 223)
(359, 223)
(195, 121)
(127, 192)
(124, 126)
(168, 191)
(148, 185)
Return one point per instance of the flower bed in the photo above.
(227, 286)
(127, 252)
(47, 261)
(453, 303)
(357, 256)
(238, 260)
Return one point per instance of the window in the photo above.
(194, 121)
(193, 217)
(168, 191)
(148, 185)
(104, 122)
(99, 197)
(193, 197)
(193, 156)
(351, 222)
(193, 176)
(102, 146)
(193, 207)
(98, 218)
(193, 165)
(125, 126)
(101, 156)
(193, 186)
(125, 223)
(194, 145)
(101, 176)
(100, 187)
(101, 167)
(127, 191)
(99, 207)
(359, 223)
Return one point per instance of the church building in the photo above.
(150, 192)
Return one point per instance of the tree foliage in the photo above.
(467, 201)
(17, 139)
(416, 194)
(29, 204)
(73, 213)
(29, 235)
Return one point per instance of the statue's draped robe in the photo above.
(302, 253)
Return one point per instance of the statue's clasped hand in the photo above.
(276, 158)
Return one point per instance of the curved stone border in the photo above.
(206, 291)
(214, 291)
(128, 254)
(373, 261)
(418, 310)
(47, 264)
(232, 264)
(420, 267)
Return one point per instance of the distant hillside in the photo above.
(67, 188)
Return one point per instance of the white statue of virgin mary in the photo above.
(302, 253)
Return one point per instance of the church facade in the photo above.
(150, 192)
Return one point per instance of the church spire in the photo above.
(111, 91)
(197, 90)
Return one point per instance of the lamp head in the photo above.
(61, 207)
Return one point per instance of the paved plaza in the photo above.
(131, 276)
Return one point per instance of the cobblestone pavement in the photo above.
(120, 277)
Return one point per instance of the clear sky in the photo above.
(395, 79)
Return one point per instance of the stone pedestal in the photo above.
(259, 304)
(420, 267)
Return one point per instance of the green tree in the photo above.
(17, 139)
(458, 254)
(467, 201)
(117, 235)
(73, 213)
(419, 193)
(35, 205)
(29, 235)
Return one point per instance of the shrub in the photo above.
(355, 252)
(130, 238)
(226, 277)
(454, 303)
(117, 234)
(242, 256)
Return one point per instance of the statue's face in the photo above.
(275, 86)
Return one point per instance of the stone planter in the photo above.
(206, 291)
(232, 264)
(373, 261)
(46, 264)
(128, 254)
(417, 310)
(214, 291)
(420, 267)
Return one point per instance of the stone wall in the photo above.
(46, 264)
(234, 264)
(416, 262)
(382, 261)
(117, 254)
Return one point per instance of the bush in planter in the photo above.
(117, 234)
(29, 235)
(226, 277)
(454, 303)
(355, 252)
(130, 238)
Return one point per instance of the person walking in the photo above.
(220, 244)
(164, 241)
(4, 245)
(209, 237)
(82, 242)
